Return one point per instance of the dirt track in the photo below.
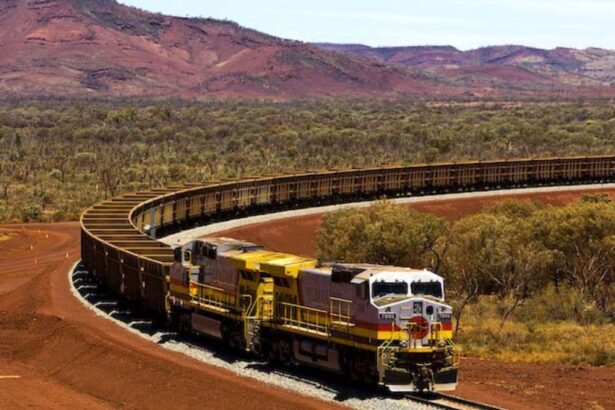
(67, 357)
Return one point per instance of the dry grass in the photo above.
(535, 341)
(5, 236)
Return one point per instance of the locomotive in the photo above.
(379, 325)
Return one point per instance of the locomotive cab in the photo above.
(403, 311)
(418, 352)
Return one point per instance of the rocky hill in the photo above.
(512, 67)
(81, 48)
(99, 47)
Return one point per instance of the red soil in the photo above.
(66, 357)
(510, 385)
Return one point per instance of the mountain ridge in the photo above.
(591, 66)
(84, 48)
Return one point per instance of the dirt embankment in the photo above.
(54, 353)
(510, 385)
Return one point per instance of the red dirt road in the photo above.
(54, 353)
(510, 385)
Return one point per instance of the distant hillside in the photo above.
(99, 47)
(511, 67)
(80, 48)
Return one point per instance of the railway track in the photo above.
(120, 243)
(448, 402)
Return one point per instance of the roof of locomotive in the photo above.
(226, 241)
(216, 241)
(362, 272)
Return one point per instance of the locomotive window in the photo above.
(210, 252)
(427, 288)
(389, 288)
(197, 248)
(177, 254)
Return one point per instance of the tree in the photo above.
(491, 253)
(581, 240)
(382, 233)
(109, 173)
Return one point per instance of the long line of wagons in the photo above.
(375, 324)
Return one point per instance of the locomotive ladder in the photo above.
(383, 357)
(257, 312)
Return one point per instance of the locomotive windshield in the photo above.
(380, 289)
(427, 289)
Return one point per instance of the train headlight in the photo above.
(403, 343)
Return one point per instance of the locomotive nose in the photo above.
(418, 327)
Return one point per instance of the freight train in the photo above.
(119, 247)
(373, 324)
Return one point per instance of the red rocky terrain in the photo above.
(100, 48)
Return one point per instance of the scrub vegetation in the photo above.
(528, 282)
(59, 157)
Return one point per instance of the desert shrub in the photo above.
(534, 341)
(382, 233)
(82, 153)
(534, 283)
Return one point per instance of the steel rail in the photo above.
(449, 402)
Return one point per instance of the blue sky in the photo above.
(465, 24)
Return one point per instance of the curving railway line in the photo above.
(119, 244)
(118, 236)
(448, 402)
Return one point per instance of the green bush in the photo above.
(82, 153)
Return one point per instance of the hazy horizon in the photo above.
(462, 24)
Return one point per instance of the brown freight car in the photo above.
(118, 236)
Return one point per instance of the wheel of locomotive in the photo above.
(359, 366)
(271, 349)
(232, 334)
(285, 350)
(348, 365)
(279, 349)
(180, 319)
(365, 366)
(371, 375)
